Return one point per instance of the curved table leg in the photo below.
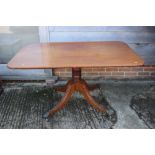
(84, 90)
(63, 102)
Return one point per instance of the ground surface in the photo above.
(144, 105)
(120, 95)
(17, 111)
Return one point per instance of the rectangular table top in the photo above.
(75, 54)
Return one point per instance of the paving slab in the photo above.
(25, 110)
(22, 107)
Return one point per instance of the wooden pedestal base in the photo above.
(76, 84)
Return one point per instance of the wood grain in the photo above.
(146, 51)
(75, 54)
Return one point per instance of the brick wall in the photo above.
(145, 72)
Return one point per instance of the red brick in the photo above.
(54, 70)
(68, 69)
(124, 69)
(137, 69)
(149, 68)
(111, 69)
(118, 73)
(98, 69)
(56, 73)
(60, 70)
(131, 77)
(87, 69)
(143, 73)
(65, 74)
(105, 73)
(131, 73)
(109, 72)
(90, 74)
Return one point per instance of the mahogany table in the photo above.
(75, 55)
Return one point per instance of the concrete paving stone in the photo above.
(23, 104)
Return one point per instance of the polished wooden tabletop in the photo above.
(75, 54)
